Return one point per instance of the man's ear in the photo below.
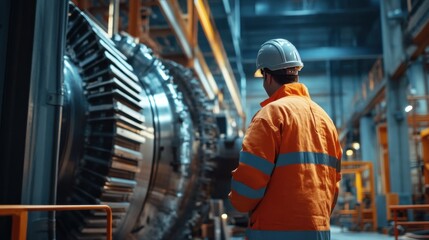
(269, 79)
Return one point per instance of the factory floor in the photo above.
(338, 234)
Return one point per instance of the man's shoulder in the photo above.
(273, 107)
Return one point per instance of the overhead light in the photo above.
(356, 145)
(240, 133)
(224, 216)
(349, 152)
(408, 108)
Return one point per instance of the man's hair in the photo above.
(284, 76)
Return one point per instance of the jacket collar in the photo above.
(290, 89)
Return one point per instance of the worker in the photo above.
(289, 167)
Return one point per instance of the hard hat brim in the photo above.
(258, 74)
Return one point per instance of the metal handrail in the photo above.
(396, 208)
(19, 215)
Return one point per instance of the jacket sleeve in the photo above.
(257, 157)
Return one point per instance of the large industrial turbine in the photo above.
(138, 135)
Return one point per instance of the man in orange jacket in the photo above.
(289, 169)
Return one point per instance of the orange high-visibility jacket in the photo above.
(289, 169)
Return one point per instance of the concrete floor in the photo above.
(337, 234)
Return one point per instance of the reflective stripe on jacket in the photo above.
(289, 168)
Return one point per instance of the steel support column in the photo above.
(44, 115)
(396, 99)
(332, 92)
(416, 74)
(368, 139)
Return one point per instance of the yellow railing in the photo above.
(19, 215)
(374, 78)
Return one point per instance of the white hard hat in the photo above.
(278, 54)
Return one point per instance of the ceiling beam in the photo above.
(234, 23)
(160, 31)
(418, 28)
(174, 17)
(219, 53)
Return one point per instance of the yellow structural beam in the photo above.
(199, 61)
(188, 44)
(359, 187)
(113, 22)
(134, 19)
(219, 53)
(186, 33)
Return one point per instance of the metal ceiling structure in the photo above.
(219, 39)
(334, 37)
(321, 30)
